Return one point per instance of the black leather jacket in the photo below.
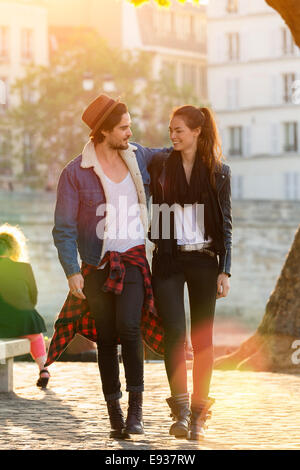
(223, 189)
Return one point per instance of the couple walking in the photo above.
(101, 212)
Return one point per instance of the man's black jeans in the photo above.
(200, 272)
(118, 316)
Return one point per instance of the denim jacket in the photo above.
(80, 191)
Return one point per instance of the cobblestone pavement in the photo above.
(252, 411)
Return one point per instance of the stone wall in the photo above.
(263, 234)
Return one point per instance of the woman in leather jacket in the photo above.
(192, 237)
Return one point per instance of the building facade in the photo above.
(175, 37)
(253, 86)
(23, 42)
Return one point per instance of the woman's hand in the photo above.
(223, 285)
(76, 284)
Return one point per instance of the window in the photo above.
(189, 76)
(3, 43)
(3, 94)
(192, 26)
(172, 21)
(235, 139)
(28, 164)
(288, 81)
(4, 143)
(169, 71)
(5, 152)
(288, 45)
(199, 30)
(28, 94)
(167, 22)
(237, 186)
(232, 6)
(292, 185)
(233, 91)
(27, 44)
(203, 82)
(290, 136)
(233, 46)
(183, 26)
(163, 22)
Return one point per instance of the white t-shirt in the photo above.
(188, 231)
(124, 228)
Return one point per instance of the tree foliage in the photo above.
(50, 100)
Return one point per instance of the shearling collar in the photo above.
(89, 156)
(89, 159)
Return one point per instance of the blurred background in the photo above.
(235, 56)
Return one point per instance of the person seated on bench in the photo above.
(18, 298)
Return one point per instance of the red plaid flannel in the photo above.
(75, 317)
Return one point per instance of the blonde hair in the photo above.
(13, 243)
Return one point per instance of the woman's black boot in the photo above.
(116, 418)
(134, 421)
(180, 412)
(200, 413)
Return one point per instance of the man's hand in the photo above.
(223, 285)
(76, 284)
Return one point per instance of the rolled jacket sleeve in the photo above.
(149, 153)
(65, 231)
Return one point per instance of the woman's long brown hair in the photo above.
(209, 142)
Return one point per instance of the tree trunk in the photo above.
(272, 346)
(290, 12)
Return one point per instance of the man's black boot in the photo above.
(180, 412)
(116, 418)
(134, 421)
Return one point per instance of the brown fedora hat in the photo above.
(97, 111)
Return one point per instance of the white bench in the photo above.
(9, 348)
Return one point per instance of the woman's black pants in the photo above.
(200, 272)
(118, 317)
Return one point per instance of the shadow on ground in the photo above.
(37, 416)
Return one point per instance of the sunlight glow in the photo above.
(167, 3)
(17, 240)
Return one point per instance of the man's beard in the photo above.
(114, 146)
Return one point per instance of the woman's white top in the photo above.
(189, 224)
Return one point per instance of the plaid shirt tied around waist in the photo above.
(75, 316)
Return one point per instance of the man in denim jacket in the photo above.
(108, 168)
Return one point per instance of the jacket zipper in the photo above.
(160, 182)
(225, 254)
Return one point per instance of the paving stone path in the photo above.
(252, 411)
